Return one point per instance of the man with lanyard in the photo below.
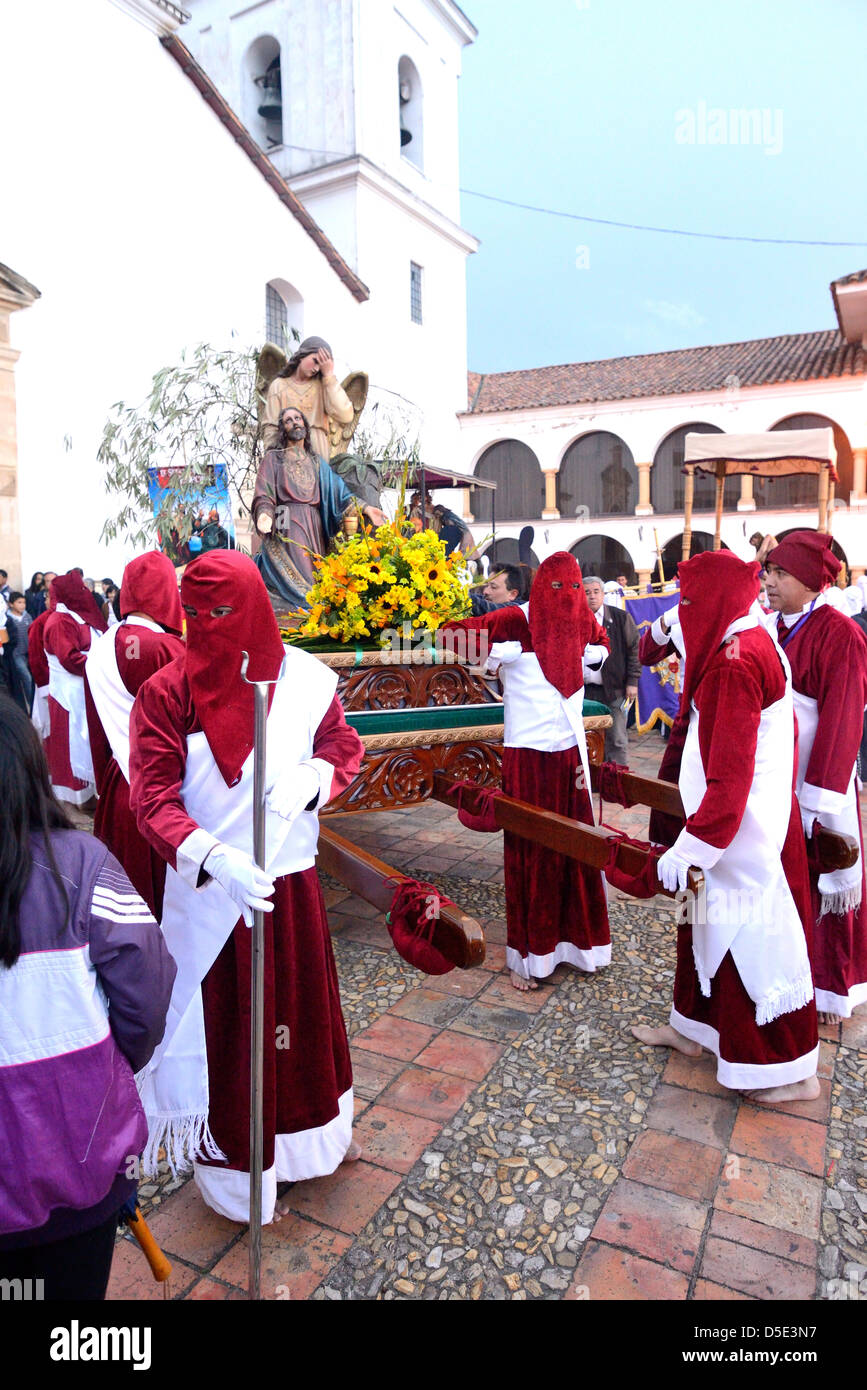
(828, 656)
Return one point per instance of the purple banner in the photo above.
(658, 686)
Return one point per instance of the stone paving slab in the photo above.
(526, 1146)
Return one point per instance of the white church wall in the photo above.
(147, 231)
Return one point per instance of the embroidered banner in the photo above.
(658, 686)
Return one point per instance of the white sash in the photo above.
(750, 910)
(110, 696)
(196, 923)
(68, 690)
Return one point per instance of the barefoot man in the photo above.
(556, 911)
(191, 789)
(828, 656)
(743, 987)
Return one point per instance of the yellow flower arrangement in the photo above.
(375, 580)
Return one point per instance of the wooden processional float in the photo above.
(772, 454)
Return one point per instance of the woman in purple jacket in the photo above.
(85, 983)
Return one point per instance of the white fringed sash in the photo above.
(196, 923)
(749, 908)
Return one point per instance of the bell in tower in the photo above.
(271, 108)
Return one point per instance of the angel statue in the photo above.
(307, 381)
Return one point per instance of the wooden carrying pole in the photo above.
(457, 936)
(688, 494)
(828, 849)
(586, 843)
(824, 491)
(720, 489)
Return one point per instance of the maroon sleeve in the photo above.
(729, 700)
(506, 624)
(839, 686)
(338, 744)
(650, 652)
(162, 716)
(69, 641)
(36, 658)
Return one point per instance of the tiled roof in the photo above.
(224, 113)
(792, 357)
(857, 277)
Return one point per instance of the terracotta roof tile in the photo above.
(791, 357)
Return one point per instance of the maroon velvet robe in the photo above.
(114, 822)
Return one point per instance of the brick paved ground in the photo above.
(525, 1146)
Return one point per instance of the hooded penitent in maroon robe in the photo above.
(191, 773)
(68, 633)
(118, 664)
(743, 988)
(556, 909)
(828, 656)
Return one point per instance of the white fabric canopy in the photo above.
(772, 453)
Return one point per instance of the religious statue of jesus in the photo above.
(299, 503)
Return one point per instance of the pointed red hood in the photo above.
(561, 622)
(150, 586)
(223, 701)
(715, 589)
(71, 590)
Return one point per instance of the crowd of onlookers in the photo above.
(18, 611)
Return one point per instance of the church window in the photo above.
(415, 292)
(276, 317)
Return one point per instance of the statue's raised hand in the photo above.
(325, 364)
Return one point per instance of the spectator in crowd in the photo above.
(86, 981)
(35, 595)
(18, 621)
(617, 678)
(4, 586)
(508, 584)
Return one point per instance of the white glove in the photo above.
(808, 820)
(671, 870)
(671, 617)
(293, 791)
(243, 880)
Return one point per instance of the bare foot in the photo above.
(666, 1037)
(353, 1153)
(519, 982)
(796, 1090)
(824, 1017)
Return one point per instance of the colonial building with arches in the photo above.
(591, 454)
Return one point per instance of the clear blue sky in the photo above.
(580, 105)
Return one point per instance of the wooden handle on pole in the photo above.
(688, 495)
(160, 1267)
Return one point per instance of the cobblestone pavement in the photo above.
(525, 1145)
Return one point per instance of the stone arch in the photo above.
(597, 473)
(520, 483)
(667, 478)
(802, 489)
(672, 551)
(605, 556)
